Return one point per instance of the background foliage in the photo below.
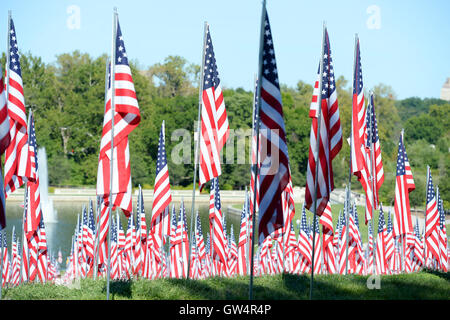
(67, 97)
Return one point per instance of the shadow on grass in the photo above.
(440, 274)
(120, 289)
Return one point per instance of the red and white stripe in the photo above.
(329, 257)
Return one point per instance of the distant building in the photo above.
(445, 91)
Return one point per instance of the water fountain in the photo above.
(49, 213)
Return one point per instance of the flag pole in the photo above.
(113, 72)
(350, 171)
(319, 120)
(258, 106)
(197, 142)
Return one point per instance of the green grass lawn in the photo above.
(425, 285)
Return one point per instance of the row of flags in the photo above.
(166, 248)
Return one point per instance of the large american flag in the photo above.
(243, 241)
(431, 221)
(5, 139)
(214, 120)
(16, 156)
(161, 197)
(373, 146)
(359, 165)
(330, 141)
(274, 173)
(126, 119)
(404, 184)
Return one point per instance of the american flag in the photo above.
(6, 266)
(304, 244)
(16, 259)
(373, 146)
(175, 247)
(330, 141)
(16, 156)
(359, 165)
(380, 258)
(274, 173)
(42, 252)
(199, 239)
(443, 243)
(34, 202)
(243, 241)
(329, 257)
(370, 242)
(216, 223)
(114, 260)
(404, 184)
(90, 234)
(389, 239)
(418, 247)
(5, 137)
(343, 241)
(4, 143)
(214, 120)
(126, 119)
(161, 197)
(431, 222)
(317, 249)
(232, 254)
(254, 165)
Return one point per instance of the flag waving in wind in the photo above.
(330, 140)
(126, 119)
(214, 121)
(274, 172)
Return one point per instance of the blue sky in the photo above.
(404, 44)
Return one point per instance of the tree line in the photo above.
(67, 98)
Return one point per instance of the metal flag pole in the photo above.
(316, 158)
(197, 142)
(258, 107)
(350, 169)
(113, 72)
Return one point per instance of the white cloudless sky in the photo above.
(404, 44)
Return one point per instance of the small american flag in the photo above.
(380, 259)
(217, 230)
(443, 243)
(403, 186)
(34, 202)
(432, 222)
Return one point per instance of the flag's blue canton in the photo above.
(174, 218)
(183, 213)
(113, 232)
(355, 211)
(416, 228)
(430, 192)
(232, 233)
(224, 226)
(441, 212)
(211, 76)
(121, 53)
(381, 221)
(389, 223)
(317, 226)
(357, 79)
(130, 222)
(303, 225)
(32, 141)
(14, 56)
(370, 227)
(161, 162)
(255, 109)
(215, 183)
(269, 71)
(328, 82)
(401, 157)
(374, 134)
(207, 244)
(91, 217)
(84, 217)
(199, 225)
